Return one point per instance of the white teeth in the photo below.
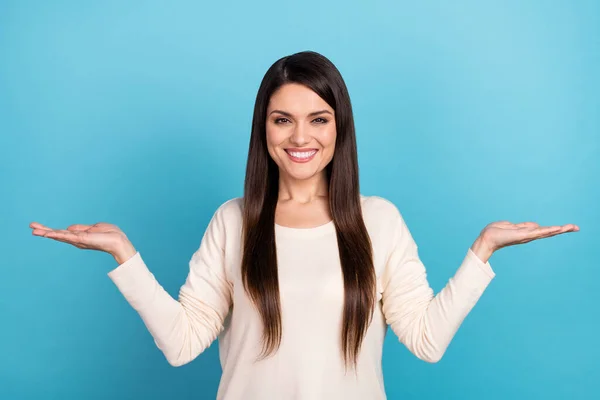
(303, 154)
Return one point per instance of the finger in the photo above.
(70, 241)
(569, 228)
(538, 233)
(498, 223)
(527, 225)
(63, 236)
(40, 232)
(57, 238)
(102, 225)
(78, 227)
(37, 225)
(549, 229)
(563, 228)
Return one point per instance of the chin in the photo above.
(301, 175)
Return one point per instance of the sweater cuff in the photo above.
(134, 280)
(474, 273)
(485, 267)
(126, 267)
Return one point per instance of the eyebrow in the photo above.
(287, 114)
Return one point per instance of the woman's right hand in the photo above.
(101, 236)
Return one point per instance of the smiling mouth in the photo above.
(301, 156)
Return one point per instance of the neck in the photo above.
(303, 190)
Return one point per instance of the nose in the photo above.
(300, 135)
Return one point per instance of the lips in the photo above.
(301, 156)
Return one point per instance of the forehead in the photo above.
(297, 99)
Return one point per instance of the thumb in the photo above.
(78, 228)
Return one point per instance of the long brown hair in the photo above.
(261, 187)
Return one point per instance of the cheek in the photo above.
(274, 138)
(275, 135)
(328, 139)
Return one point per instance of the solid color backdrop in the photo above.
(138, 113)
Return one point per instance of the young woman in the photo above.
(300, 277)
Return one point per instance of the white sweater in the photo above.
(308, 365)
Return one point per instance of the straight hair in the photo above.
(261, 188)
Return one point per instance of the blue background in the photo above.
(138, 113)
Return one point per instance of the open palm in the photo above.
(504, 233)
(100, 236)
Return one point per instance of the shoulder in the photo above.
(379, 208)
(227, 216)
(385, 223)
(231, 208)
(225, 224)
(382, 218)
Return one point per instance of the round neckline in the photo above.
(316, 231)
(320, 230)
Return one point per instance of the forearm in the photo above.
(427, 325)
(165, 317)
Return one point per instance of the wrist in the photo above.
(482, 250)
(124, 252)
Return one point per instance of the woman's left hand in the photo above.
(503, 233)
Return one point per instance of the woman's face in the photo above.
(300, 131)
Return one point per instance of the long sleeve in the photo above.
(183, 328)
(425, 323)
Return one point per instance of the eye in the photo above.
(281, 120)
(320, 120)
